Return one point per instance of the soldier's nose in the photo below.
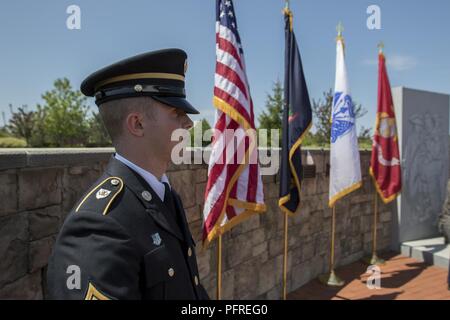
(187, 123)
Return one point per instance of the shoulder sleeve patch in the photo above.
(94, 294)
(102, 196)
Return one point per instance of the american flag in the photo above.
(234, 190)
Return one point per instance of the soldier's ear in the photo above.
(134, 124)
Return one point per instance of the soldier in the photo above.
(128, 237)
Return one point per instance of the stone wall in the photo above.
(38, 188)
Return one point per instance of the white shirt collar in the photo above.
(154, 183)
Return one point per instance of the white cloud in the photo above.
(370, 62)
(402, 63)
(397, 62)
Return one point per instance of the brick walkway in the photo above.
(402, 278)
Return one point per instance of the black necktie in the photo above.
(168, 199)
(169, 202)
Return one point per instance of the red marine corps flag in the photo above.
(385, 162)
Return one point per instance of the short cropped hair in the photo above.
(114, 113)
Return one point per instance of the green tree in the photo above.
(272, 117)
(65, 113)
(312, 140)
(22, 123)
(27, 125)
(205, 126)
(39, 136)
(98, 135)
(322, 117)
(4, 132)
(365, 138)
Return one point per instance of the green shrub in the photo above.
(4, 133)
(11, 142)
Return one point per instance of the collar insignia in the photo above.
(102, 193)
(156, 239)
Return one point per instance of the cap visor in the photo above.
(179, 103)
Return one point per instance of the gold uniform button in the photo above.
(196, 280)
(189, 252)
(171, 272)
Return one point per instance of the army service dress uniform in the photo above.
(121, 241)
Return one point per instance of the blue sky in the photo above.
(37, 48)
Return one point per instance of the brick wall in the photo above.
(38, 188)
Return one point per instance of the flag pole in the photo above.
(374, 260)
(286, 12)
(331, 279)
(219, 267)
(294, 107)
(285, 255)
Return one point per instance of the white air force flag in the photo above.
(345, 167)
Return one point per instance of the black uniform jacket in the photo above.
(120, 241)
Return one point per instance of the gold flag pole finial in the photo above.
(340, 29)
(381, 47)
(287, 12)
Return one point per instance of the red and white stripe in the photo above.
(234, 189)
